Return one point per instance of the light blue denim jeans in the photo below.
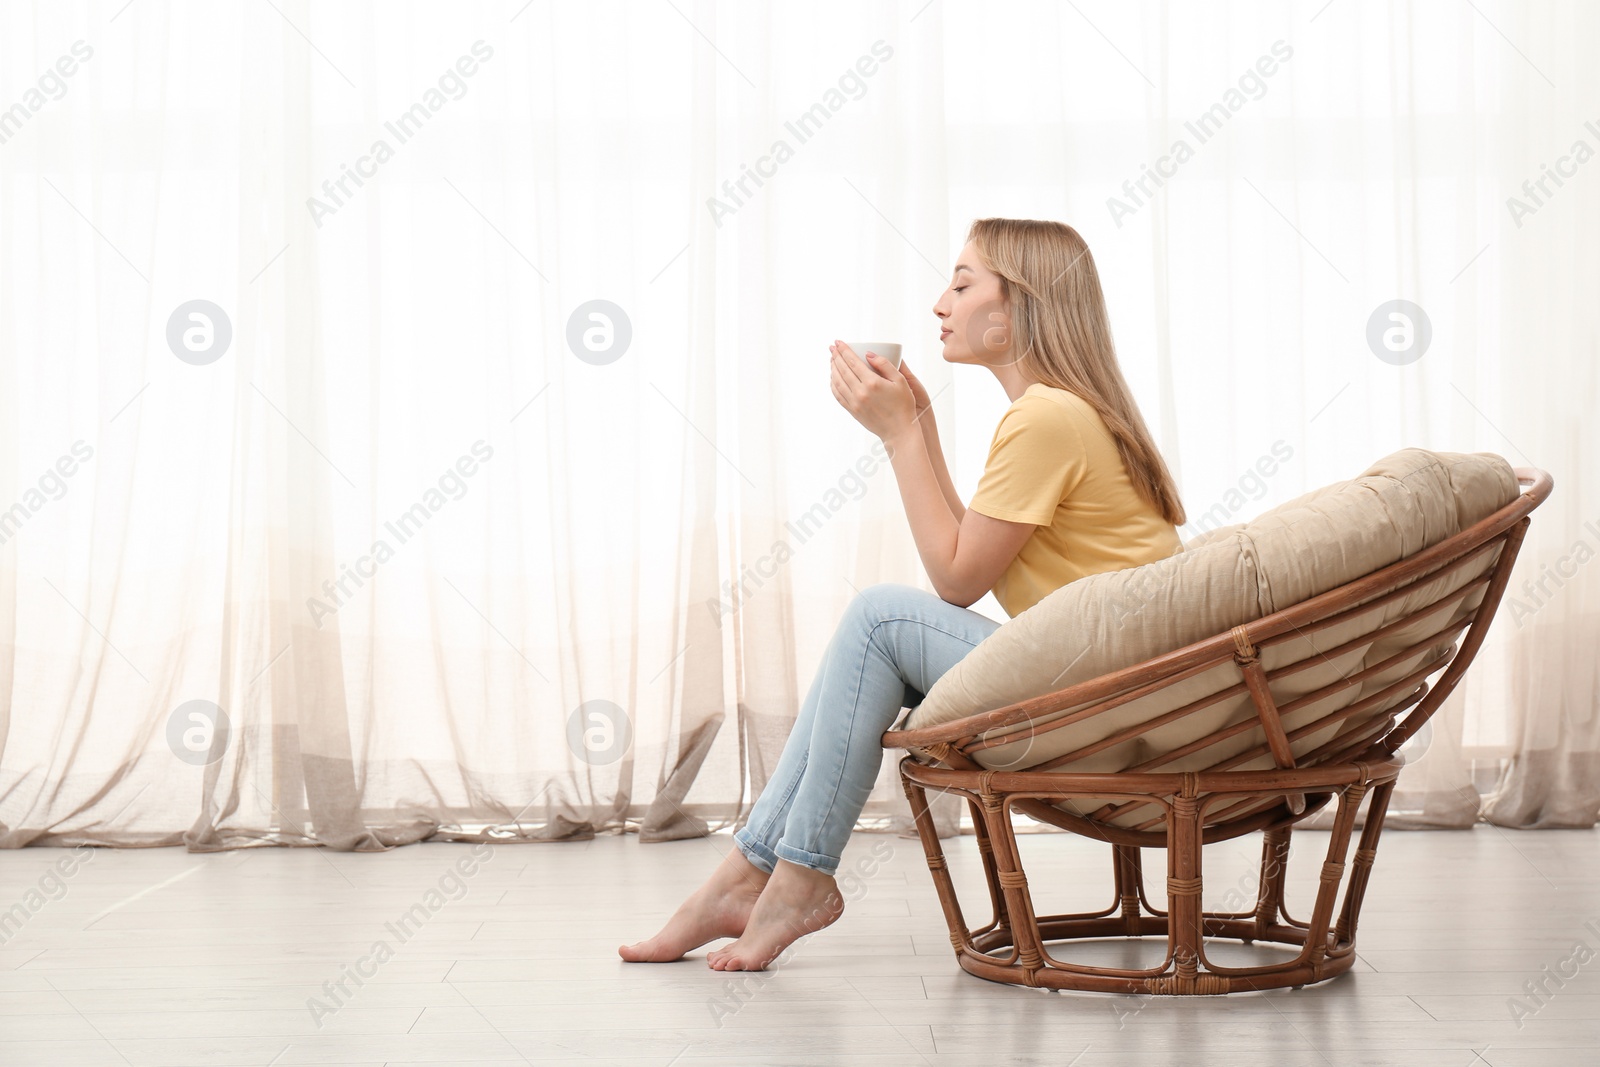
(891, 646)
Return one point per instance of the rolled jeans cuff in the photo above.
(815, 860)
(759, 855)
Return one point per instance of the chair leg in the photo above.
(1127, 867)
(917, 797)
(1185, 932)
(1332, 874)
(991, 873)
(1366, 852)
(1025, 935)
(1274, 866)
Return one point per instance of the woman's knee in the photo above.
(884, 599)
(880, 605)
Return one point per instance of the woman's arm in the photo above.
(963, 551)
(930, 437)
(963, 557)
(930, 434)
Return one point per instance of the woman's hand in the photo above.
(874, 392)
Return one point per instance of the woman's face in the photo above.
(975, 321)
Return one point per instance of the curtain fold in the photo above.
(414, 422)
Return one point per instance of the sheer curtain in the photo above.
(416, 419)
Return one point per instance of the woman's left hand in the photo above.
(874, 391)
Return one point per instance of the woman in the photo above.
(1073, 486)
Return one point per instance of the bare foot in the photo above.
(719, 908)
(797, 901)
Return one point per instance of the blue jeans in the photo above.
(891, 646)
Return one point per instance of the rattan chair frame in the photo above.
(1200, 807)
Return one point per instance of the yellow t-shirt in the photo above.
(1053, 463)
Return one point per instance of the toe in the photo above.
(647, 951)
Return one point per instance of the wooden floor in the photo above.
(157, 956)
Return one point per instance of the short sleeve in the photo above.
(1035, 459)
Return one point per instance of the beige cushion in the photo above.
(1327, 538)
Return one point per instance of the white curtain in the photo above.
(415, 417)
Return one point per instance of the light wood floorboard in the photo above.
(162, 958)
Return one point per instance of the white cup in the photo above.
(887, 349)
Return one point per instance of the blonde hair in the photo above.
(1060, 326)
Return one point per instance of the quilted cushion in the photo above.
(1327, 538)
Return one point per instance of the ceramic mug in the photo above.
(887, 349)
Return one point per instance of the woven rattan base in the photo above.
(1022, 948)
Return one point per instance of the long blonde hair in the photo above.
(1060, 326)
